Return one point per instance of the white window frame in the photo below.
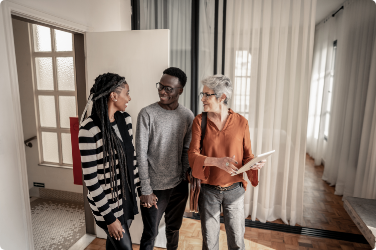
(56, 93)
(246, 77)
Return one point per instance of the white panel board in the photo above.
(141, 57)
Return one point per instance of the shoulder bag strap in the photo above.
(203, 128)
(196, 183)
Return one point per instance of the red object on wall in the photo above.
(76, 156)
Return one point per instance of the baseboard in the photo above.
(46, 193)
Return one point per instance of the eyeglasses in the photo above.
(168, 89)
(206, 95)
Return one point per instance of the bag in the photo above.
(196, 183)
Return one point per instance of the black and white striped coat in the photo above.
(105, 209)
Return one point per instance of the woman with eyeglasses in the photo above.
(225, 148)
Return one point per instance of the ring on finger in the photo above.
(227, 164)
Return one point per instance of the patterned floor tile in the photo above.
(56, 224)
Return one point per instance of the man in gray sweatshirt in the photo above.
(162, 140)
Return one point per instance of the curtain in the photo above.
(355, 39)
(321, 87)
(365, 180)
(269, 47)
(176, 16)
(206, 44)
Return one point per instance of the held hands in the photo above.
(116, 230)
(149, 200)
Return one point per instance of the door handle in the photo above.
(28, 141)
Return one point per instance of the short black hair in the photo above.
(173, 71)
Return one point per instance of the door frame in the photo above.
(8, 9)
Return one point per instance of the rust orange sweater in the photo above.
(233, 139)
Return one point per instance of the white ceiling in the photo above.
(326, 7)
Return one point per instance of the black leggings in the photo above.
(124, 243)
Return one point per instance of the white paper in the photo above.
(251, 164)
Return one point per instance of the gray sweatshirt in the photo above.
(162, 142)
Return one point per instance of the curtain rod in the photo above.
(337, 11)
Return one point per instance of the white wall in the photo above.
(12, 210)
(97, 16)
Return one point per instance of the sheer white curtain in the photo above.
(365, 180)
(206, 43)
(321, 87)
(355, 39)
(176, 16)
(269, 46)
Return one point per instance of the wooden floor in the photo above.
(322, 210)
(257, 239)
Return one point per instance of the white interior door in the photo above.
(141, 57)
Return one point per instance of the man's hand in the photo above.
(116, 230)
(149, 200)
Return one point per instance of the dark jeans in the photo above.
(171, 202)
(210, 202)
(124, 243)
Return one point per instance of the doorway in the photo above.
(52, 87)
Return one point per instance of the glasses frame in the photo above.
(205, 95)
(165, 88)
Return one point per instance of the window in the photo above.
(54, 93)
(329, 93)
(242, 82)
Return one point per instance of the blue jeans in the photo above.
(232, 201)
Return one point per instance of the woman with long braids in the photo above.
(109, 161)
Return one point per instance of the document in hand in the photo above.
(251, 164)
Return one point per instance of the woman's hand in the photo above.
(149, 200)
(116, 230)
(225, 163)
(259, 165)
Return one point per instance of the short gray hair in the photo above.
(220, 84)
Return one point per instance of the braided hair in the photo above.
(112, 146)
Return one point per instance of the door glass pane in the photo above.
(50, 147)
(65, 73)
(67, 106)
(42, 38)
(47, 111)
(63, 41)
(67, 148)
(45, 78)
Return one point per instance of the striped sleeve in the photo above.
(137, 182)
(88, 150)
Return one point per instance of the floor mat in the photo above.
(56, 224)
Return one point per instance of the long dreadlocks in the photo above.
(112, 146)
